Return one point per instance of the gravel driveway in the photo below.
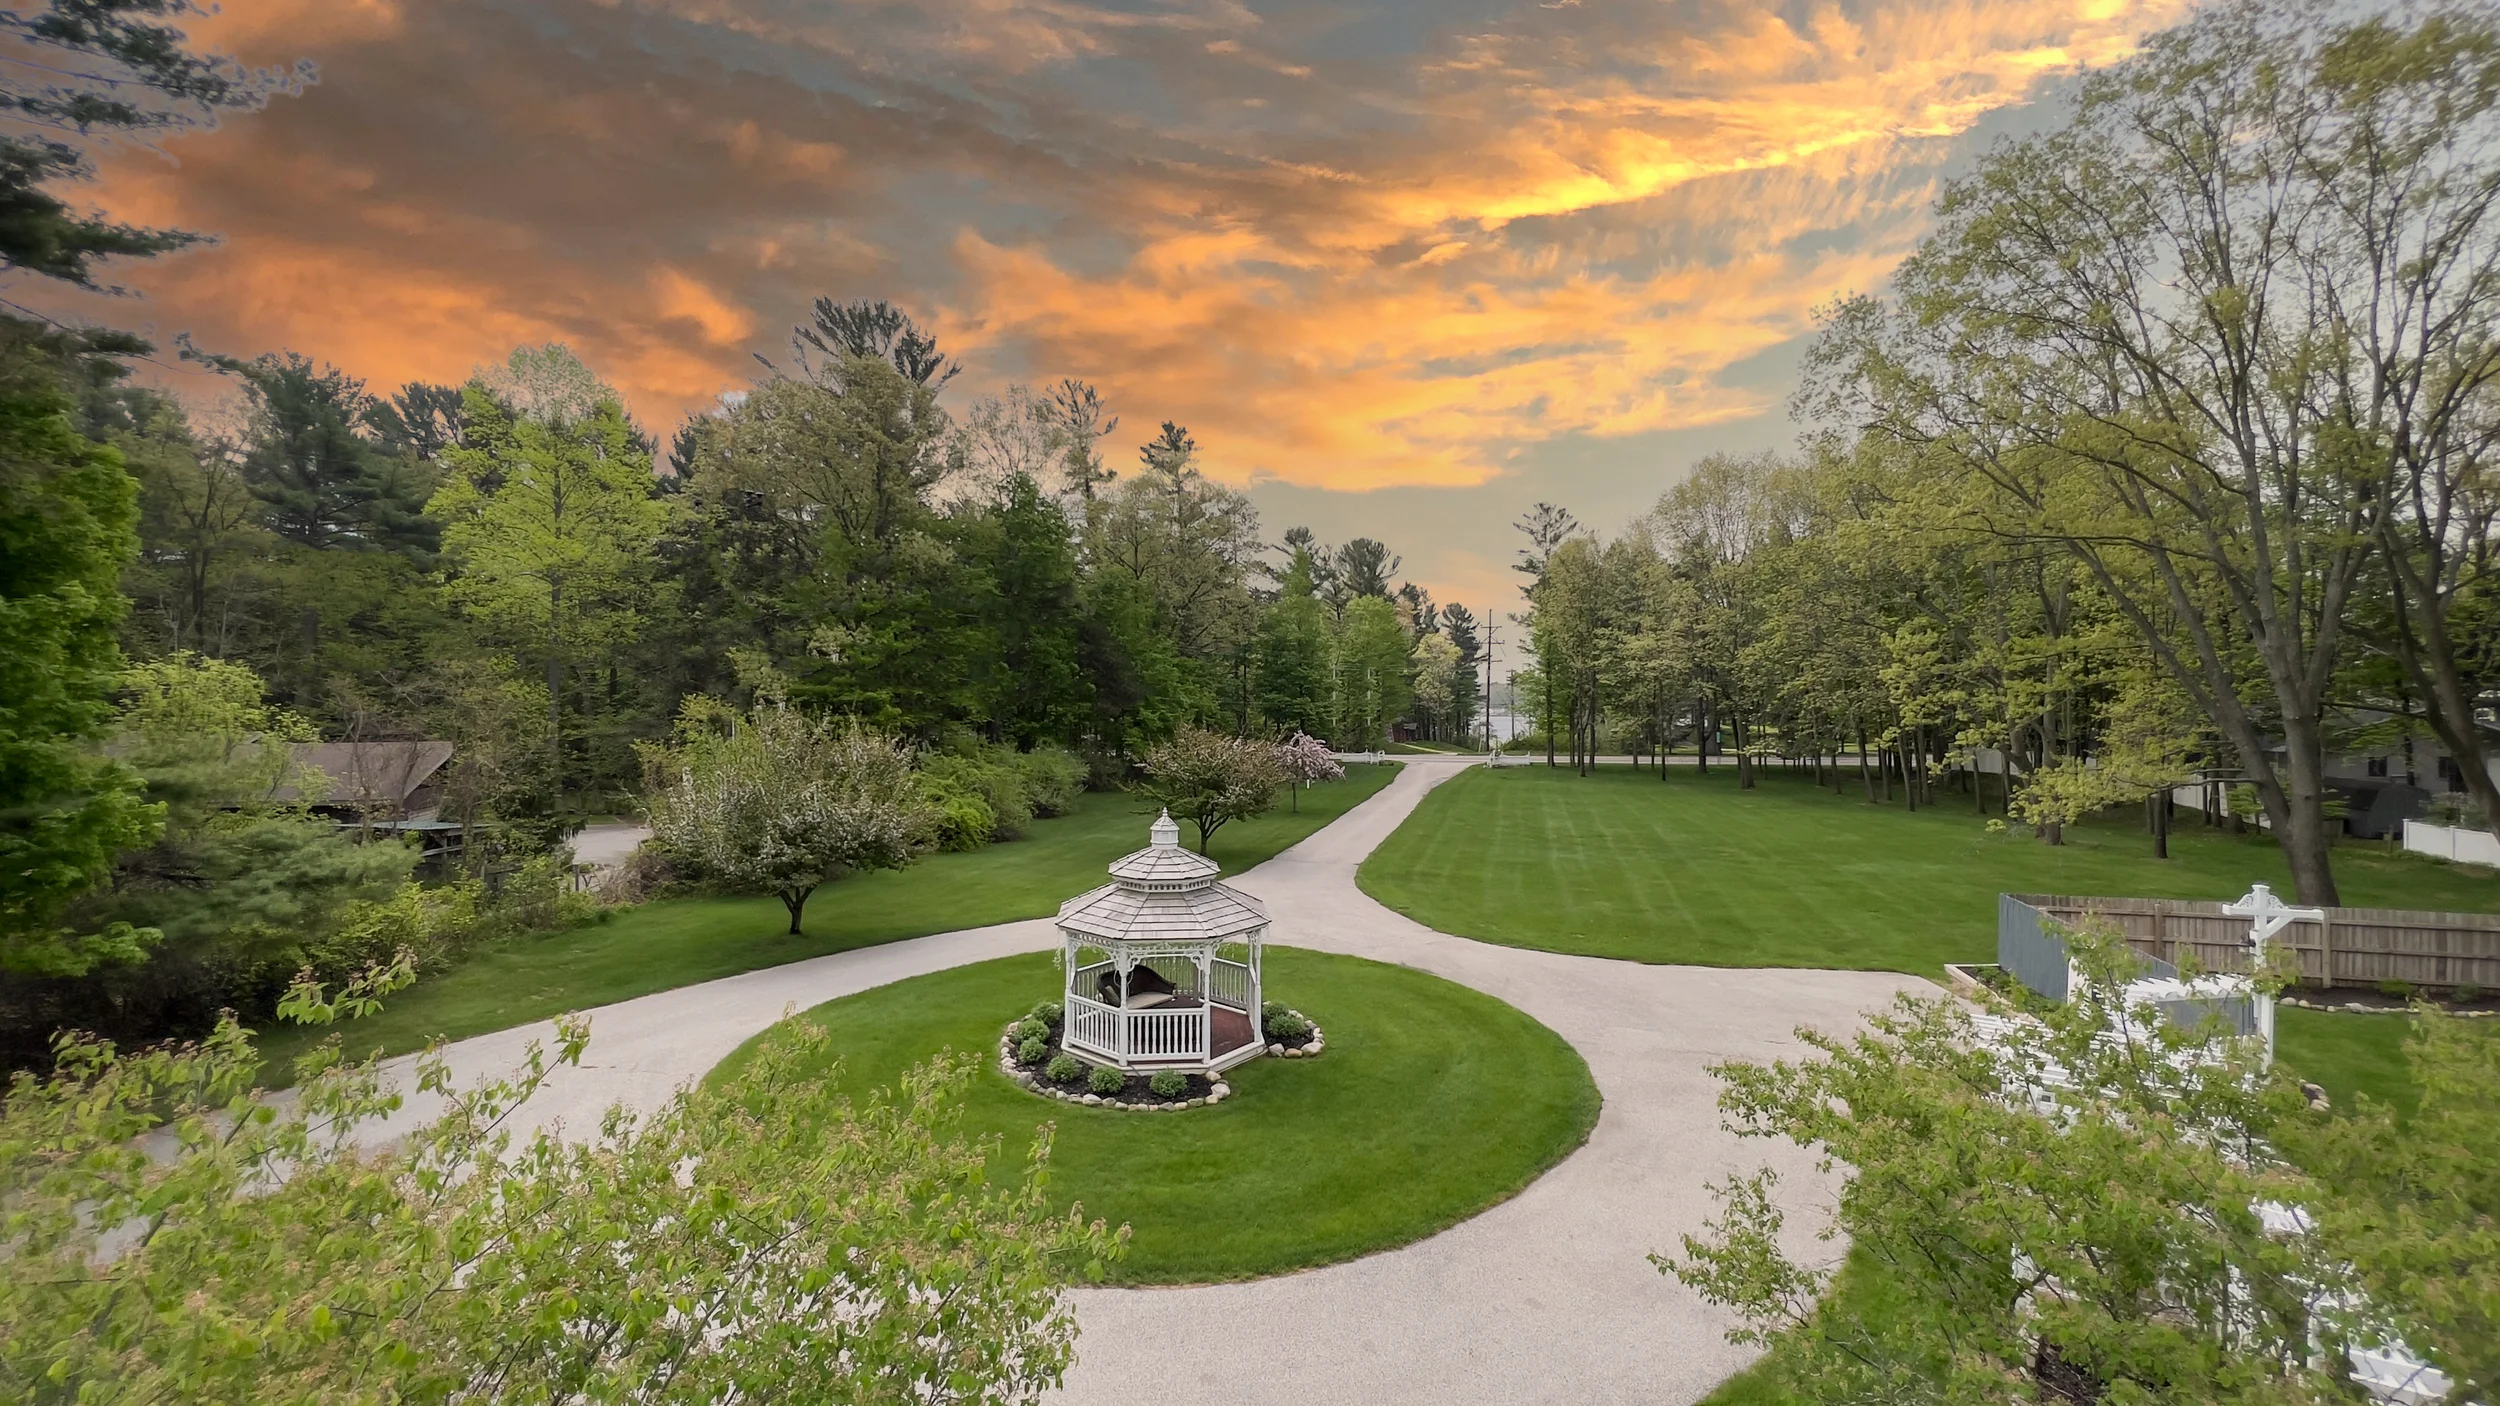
(1546, 1298)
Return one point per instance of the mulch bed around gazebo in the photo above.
(1136, 1093)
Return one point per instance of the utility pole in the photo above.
(1492, 635)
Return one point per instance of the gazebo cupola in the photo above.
(1148, 986)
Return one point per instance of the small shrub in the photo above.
(1106, 1081)
(989, 773)
(1048, 1013)
(1032, 1051)
(959, 822)
(2399, 990)
(1171, 1083)
(1030, 1029)
(1272, 1012)
(536, 898)
(2467, 994)
(1064, 1069)
(1107, 771)
(649, 872)
(1288, 1029)
(435, 926)
(1053, 778)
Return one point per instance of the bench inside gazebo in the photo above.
(1153, 981)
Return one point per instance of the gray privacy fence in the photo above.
(2031, 951)
(2027, 950)
(2353, 947)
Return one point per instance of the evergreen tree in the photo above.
(323, 483)
(67, 520)
(1293, 665)
(1035, 621)
(87, 71)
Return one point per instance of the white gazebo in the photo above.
(1146, 987)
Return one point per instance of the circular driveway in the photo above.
(1548, 1297)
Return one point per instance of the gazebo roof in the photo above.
(1163, 894)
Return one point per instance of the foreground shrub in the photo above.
(2051, 1213)
(1106, 1081)
(1171, 1083)
(1287, 1029)
(1032, 1051)
(1064, 1069)
(153, 1257)
(1030, 1028)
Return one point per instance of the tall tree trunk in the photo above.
(555, 704)
(2430, 663)
(1548, 671)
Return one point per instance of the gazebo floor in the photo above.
(1229, 1029)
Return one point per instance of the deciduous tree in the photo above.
(782, 803)
(1211, 780)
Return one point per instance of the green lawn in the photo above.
(1621, 864)
(2348, 1053)
(677, 942)
(1433, 1103)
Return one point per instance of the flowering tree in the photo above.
(2065, 1204)
(781, 802)
(1210, 780)
(174, 1235)
(1304, 760)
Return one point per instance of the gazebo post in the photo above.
(1258, 1021)
(1205, 964)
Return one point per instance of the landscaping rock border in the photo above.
(1308, 1049)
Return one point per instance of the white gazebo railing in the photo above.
(1180, 1029)
(1228, 984)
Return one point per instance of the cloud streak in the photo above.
(1352, 246)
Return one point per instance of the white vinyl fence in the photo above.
(2450, 842)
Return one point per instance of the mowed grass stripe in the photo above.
(1694, 870)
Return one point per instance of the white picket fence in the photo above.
(2453, 842)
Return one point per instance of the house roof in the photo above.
(371, 773)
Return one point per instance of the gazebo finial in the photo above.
(1164, 834)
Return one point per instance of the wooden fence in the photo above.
(2353, 947)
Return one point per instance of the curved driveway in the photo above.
(1545, 1298)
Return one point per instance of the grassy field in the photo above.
(677, 942)
(1620, 864)
(1433, 1103)
(2347, 1053)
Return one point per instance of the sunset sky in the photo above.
(1403, 268)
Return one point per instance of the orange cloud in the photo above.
(1406, 268)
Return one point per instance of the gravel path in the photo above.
(1546, 1298)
